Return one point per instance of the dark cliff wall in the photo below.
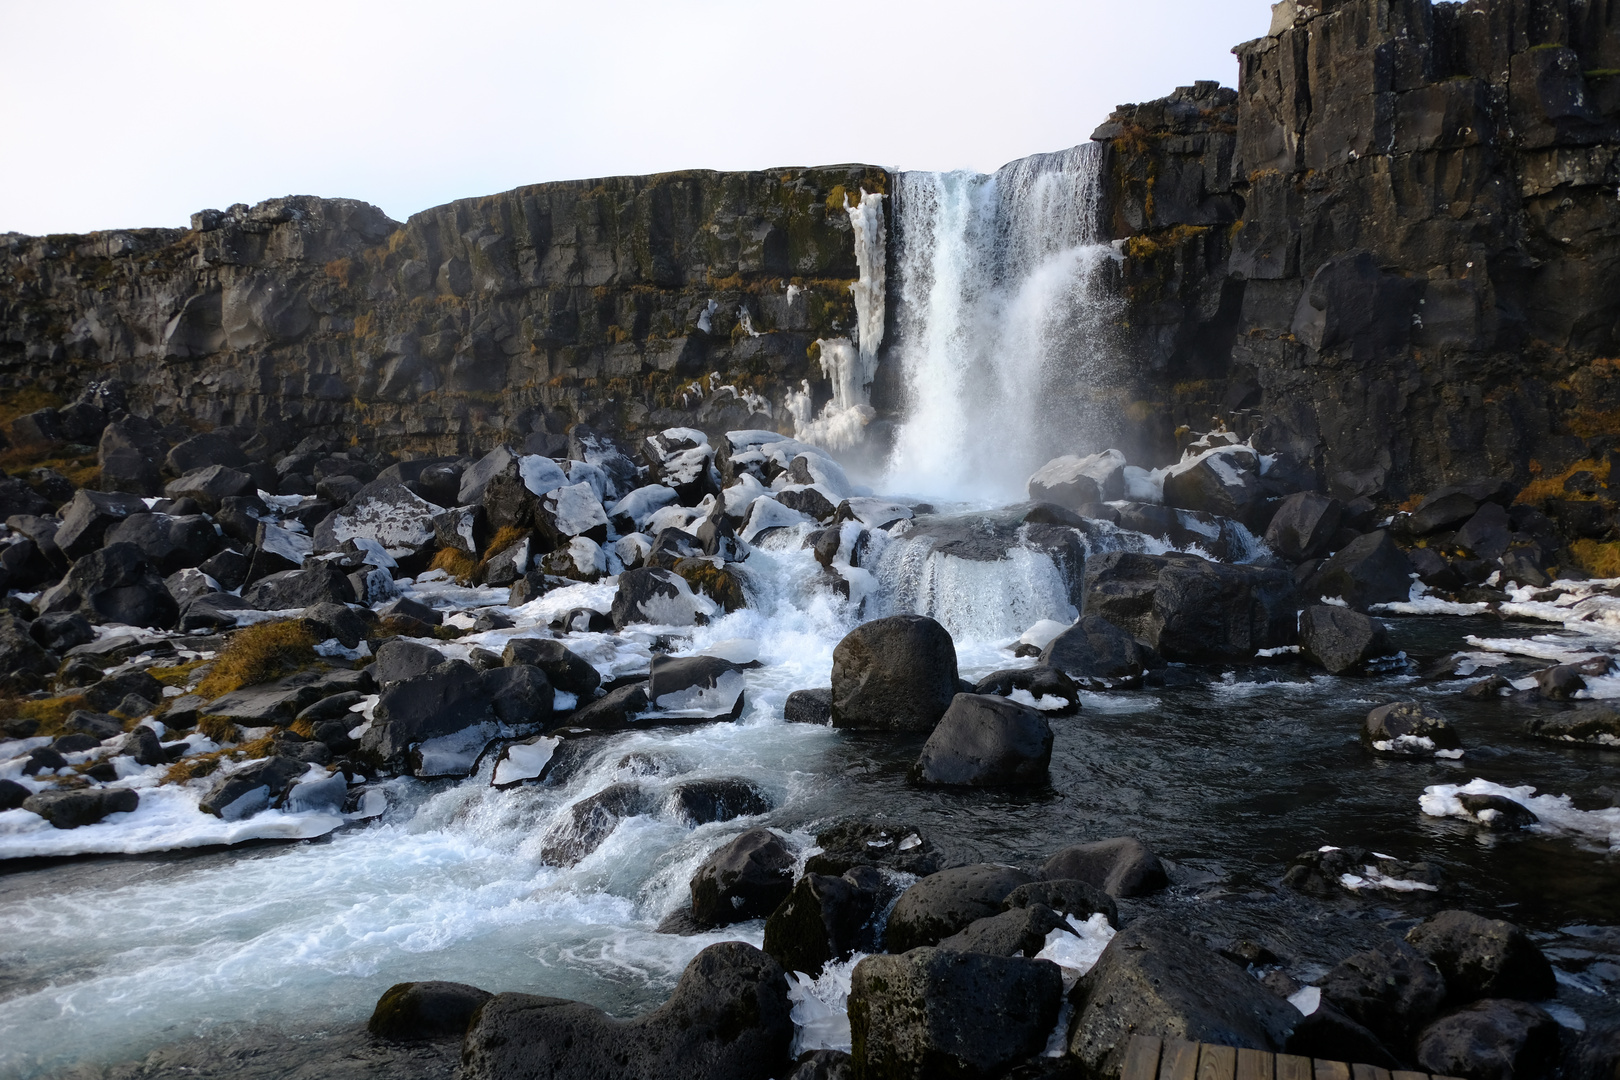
(498, 318)
(1396, 249)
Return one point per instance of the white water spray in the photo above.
(1001, 313)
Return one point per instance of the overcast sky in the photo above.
(123, 114)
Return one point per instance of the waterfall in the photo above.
(851, 365)
(1001, 326)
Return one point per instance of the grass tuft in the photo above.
(258, 654)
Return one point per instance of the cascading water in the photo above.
(1001, 320)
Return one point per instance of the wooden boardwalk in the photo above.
(1151, 1058)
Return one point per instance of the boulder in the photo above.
(1304, 526)
(657, 596)
(475, 478)
(1442, 509)
(721, 798)
(567, 671)
(58, 632)
(114, 585)
(186, 585)
(1321, 872)
(1066, 896)
(17, 498)
(84, 806)
(1094, 648)
(1191, 609)
(399, 659)
(1597, 725)
(328, 620)
(1152, 978)
(934, 1013)
(12, 795)
(1018, 931)
(1039, 682)
(1560, 682)
(453, 699)
(1408, 727)
(592, 820)
(1225, 484)
(896, 674)
(1483, 958)
(615, 709)
(1062, 480)
(825, 918)
(1494, 1039)
(1488, 533)
(211, 611)
(809, 706)
(728, 1019)
(210, 486)
(1391, 990)
(853, 843)
(745, 879)
(201, 451)
(425, 1011)
(24, 665)
(683, 682)
(322, 583)
(88, 516)
(387, 513)
(1121, 867)
(1497, 812)
(251, 788)
(1369, 570)
(130, 454)
(142, 744)
(986, 741)
(567, 512)
(1340, 639)
(947, 902)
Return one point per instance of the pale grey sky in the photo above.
(125, 114)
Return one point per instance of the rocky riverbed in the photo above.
(694, 756)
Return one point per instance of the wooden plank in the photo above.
(1331, 1070)
(1216, 1062)
(1369, 1072)
(1294, 1067)
(1141, 1058)
(1180, 1060)
(1254, 1065)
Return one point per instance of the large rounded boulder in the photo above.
(986, 741)
(948, 902)
(894, 674)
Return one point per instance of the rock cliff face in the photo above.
(1395, 250)
(686, 298)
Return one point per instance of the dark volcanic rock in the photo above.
(87, 518)
(1368, 570)
(947, 902)
(114, 585)
(1340, 639)
(425, 1010)
(986, 741)
(745, 879)
(87, 806)
(874, 843)
(894, 674)
(825, 918)
(1392, 991)
(935, 1013)
(809, 706)
(1121, 867)
(567, 671)
(24, 665)
(1192, 609)
(1491, 1040)
(1018, 931)
(728, 1019)
(322, 583)
(1094, 648)
(250, 789)
(1396, 728)
(1066, 896)
(1152, 978)
(1483, 958)
(1304, 526)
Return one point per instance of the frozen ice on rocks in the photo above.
(541, 475)
(1557, 813)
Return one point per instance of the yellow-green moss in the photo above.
(257, 654)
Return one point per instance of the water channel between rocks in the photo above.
(106, 957)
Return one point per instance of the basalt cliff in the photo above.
(1393, 253)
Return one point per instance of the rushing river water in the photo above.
(103, 958)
